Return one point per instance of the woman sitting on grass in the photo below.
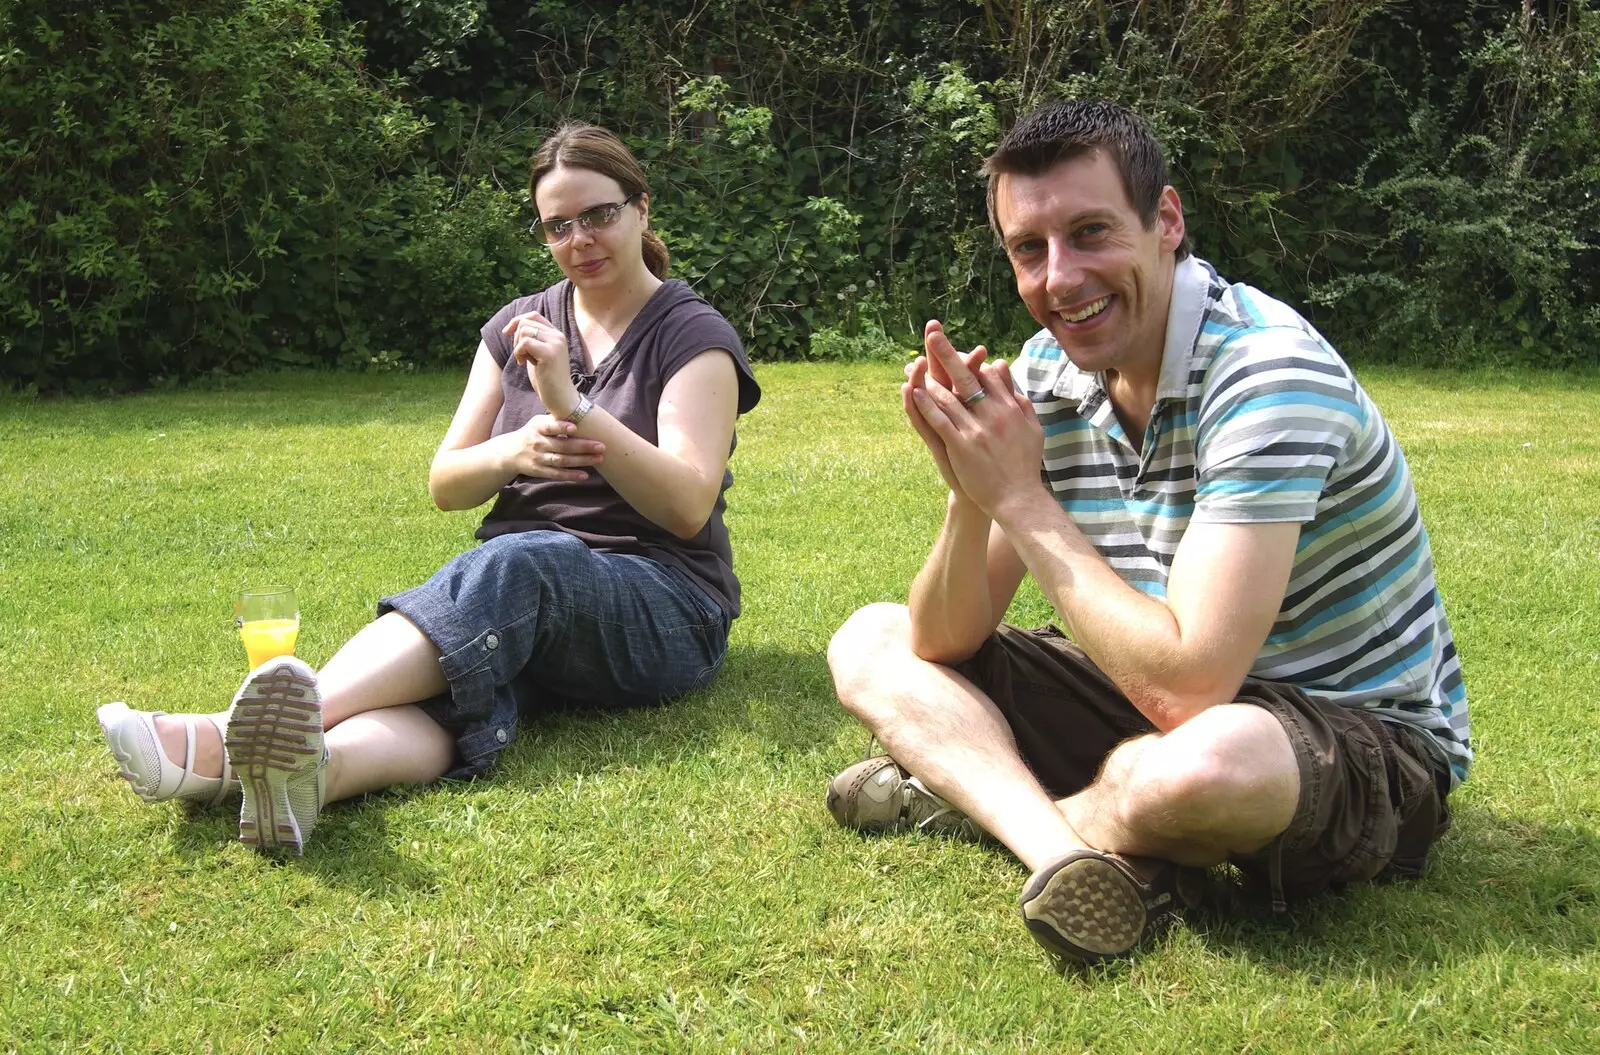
(599, 414)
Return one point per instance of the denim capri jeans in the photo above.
(533, 621)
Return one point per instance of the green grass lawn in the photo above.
(670, 880)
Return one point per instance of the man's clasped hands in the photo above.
(981, 430)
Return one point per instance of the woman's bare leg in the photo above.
(387, 664)
(380, 748)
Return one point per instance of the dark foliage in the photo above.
(202, 186)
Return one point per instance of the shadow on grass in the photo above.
(779, 703)
(350, 848)
(1495, 883)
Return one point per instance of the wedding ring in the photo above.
(977, 397)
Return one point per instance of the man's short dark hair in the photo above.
(1061, 131)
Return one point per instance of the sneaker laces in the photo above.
(917, 798)
(928, 811)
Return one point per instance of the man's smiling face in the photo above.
(1087, 268)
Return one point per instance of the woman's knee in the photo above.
(528, 562)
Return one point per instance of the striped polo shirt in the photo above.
(1257, 420)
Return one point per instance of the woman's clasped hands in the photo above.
(546, 446)
(539, 344)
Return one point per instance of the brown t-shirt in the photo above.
(673, 327)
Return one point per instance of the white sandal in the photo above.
(131, 735)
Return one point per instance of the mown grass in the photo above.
(670, 880)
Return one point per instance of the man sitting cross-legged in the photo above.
(1259, 670)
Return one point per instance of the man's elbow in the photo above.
(941, 648)
(1170, 705)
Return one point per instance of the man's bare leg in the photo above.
(1225, 782)
(939, 726)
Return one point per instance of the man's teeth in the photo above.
(1093, 309)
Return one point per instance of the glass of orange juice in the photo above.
(269, 621)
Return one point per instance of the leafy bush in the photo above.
(211, 185)
(165, 164)
(757, 119)
(217, 185)
(1484, 221)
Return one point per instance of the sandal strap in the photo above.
(189, 721)
(228, 778)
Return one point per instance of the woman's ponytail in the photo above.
(656, 257)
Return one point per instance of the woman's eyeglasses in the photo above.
(598, 218)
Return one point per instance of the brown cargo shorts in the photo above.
(1372, 796)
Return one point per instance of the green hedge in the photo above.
(1417, 174)
(208, 186)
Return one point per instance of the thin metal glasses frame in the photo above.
(594, 218)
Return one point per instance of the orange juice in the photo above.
(266, 639)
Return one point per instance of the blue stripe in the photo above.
(1159, 510)
(1245, 301)
(1313, 484)
(1354, 516)
(1042, 348)
(1065, 425)
(1389, 673)
(1269, 400)
(1349, 604)
(1289, 399)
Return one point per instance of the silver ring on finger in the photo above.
(552, 458)
(977, 397)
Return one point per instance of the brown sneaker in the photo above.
(1091, 906)
(879, 795)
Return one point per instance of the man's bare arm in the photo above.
(1173, 659)
(1176, 658)
(971, 574)
(965, 586)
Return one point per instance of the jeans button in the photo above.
(491, 641)
(500, 735)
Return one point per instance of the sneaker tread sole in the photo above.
(274, 734)
(1089, 909)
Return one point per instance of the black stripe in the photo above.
(1342, 593)
(1387, 634)
(1368, 472)
(1081, 471)
(1407, 524)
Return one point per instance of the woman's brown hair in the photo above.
(584, 146)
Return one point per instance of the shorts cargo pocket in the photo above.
(472, 673)
(1416, 799)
